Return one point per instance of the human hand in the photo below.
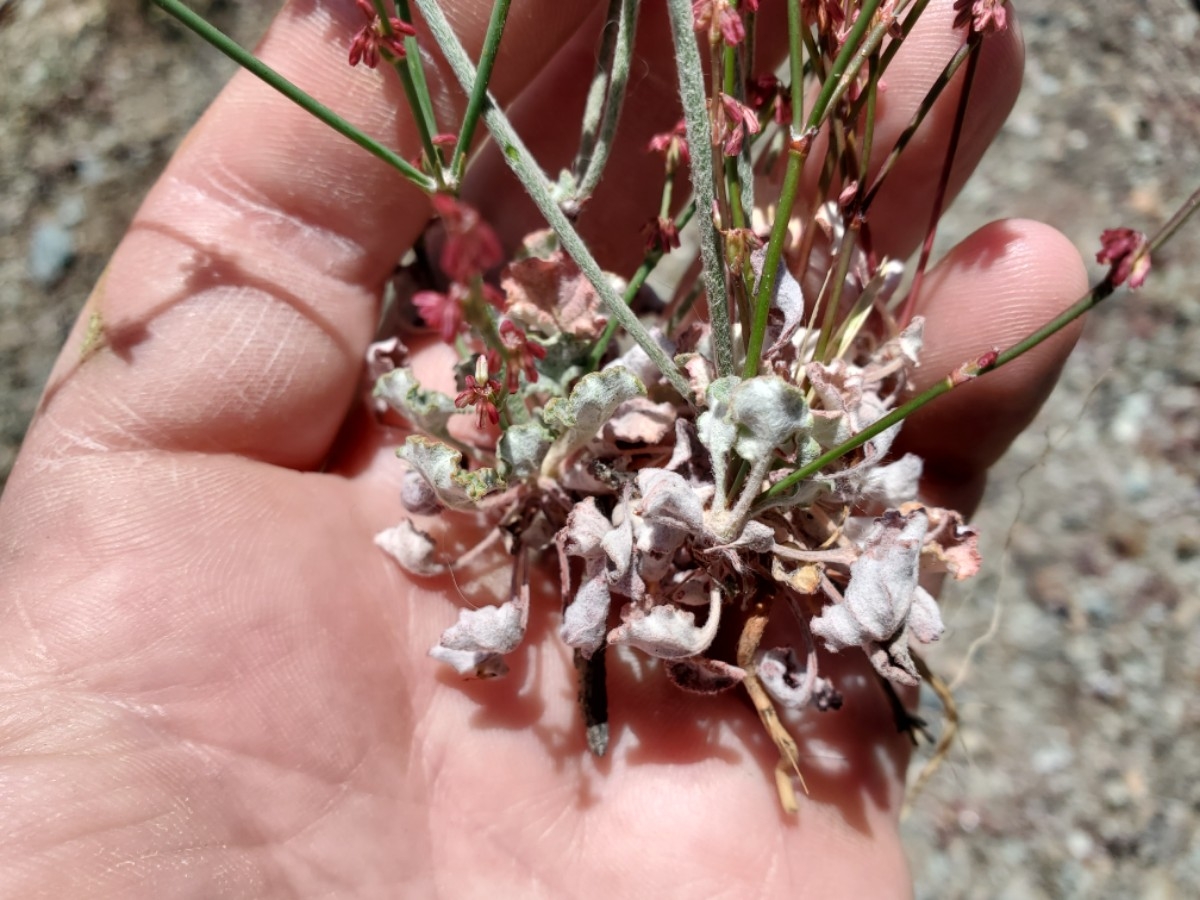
(216, 684)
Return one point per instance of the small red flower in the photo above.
(983, 16)
(672, 145)
(521, 354)
(764, 90)
(481, 392)
(720, 20)
(1125, 251)
(370, 39)
(443, 311)
(732, 127)
(472, 247)
(661, 235)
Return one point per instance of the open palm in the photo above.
(212, 683)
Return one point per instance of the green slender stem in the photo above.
(416, 71)
(258, 68)
(795, 26)
(971, 370)
(848, 61)
(695, 113)
(639, 278)
(589, 167)
(478, 90)
(525, 167)
(411, 93)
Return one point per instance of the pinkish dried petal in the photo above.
(640, 421)
(951, 545)
(553, 295)
(701, 675)
(1125, 251)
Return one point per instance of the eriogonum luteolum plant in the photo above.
(718, 458)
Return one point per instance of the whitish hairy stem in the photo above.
(525, 167)
(695, 114)
(606, 96)
(735, 521)
(789, 754)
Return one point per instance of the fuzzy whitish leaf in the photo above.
(412, 548)
(698, 371)
(668, 498)
(657, 542)
(875, 612)
(701, 675)
(585, 620)
(441, 466)
(786, 679)
(640, 421)
(427, 410)
(769, 413)
(717, 432)
(893, 484)
(585, 530)
(666, 631)
(522, 448)
(755, 537)
(579, 417)
(618, 547)
(476, 643)
(553, 295)
(418, 496)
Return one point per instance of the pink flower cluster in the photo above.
(373, 38)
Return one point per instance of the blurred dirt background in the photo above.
(1077, 773)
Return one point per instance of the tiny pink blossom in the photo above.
(472, 247)
(443, 312)
(720, 20)
(481, 392)
(672, 144)
(765, 91)
(370, 39)
(738, 121)
(983, 16)
(522, 354)
(1125, 250)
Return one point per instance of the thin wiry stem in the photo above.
(478, 89)
(525, 167)
(309, 104)
(417, 104)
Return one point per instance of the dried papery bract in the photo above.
(731, 462)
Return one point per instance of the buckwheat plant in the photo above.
(707, 468)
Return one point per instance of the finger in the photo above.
(990, 291)
(233, 316)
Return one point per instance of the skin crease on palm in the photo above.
(213, 684)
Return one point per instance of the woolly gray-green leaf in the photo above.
(427, 410)
(441, 466)
(579, 417)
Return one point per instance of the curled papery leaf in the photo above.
(666, 631)
(476, 644)
(412, 548)
(579, 417)
(427, 410)
(769, 413)
(883, 602)
(786, 679)
(701, 675)
(717, 432)
(787, 306)
(950, 545)
(441, 466)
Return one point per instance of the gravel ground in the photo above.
(1075, 774)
